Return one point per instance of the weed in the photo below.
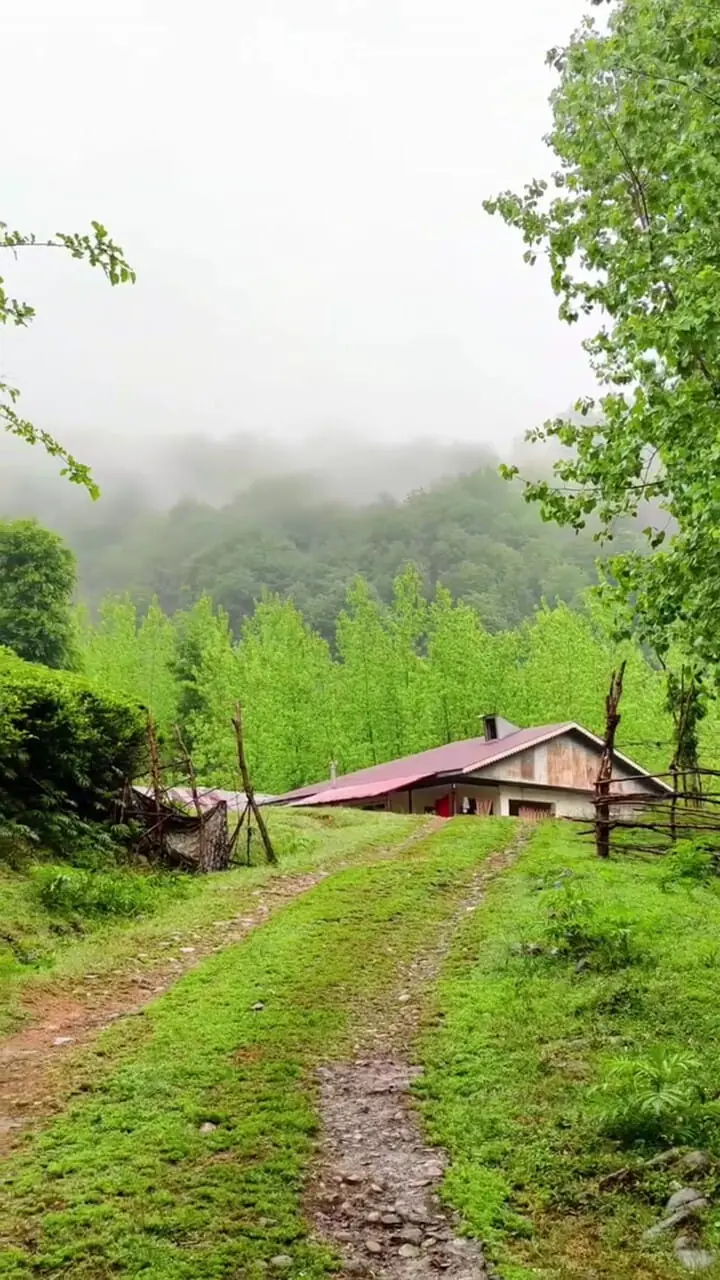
(17, 843)
(575, 930)
(688, 864)
(654, 1097)
(67, 891)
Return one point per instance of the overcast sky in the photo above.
(299, 185)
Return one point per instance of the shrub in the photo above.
(64, 747)
(576, 932)
(688, 864)
(655, 1097)
(102, 893)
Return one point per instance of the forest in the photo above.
(307, 535)
(397, 679)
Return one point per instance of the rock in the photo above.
(208, 1127)
(695, 1162)
(413, 1235)
(281, 1261)
(408, 1251)
(675, 1219)
(60, 1040)
(691, 1258)
(186, 951)
(373, 1216)
(353, 1179)
(344, 1237)
(257, 1007)
(683, 1198)
(373, 1246)
(391, 1219)
(664, 1157)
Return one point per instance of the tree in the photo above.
(133, 657)
(37, 580)
(287, 685)
(629, 224)
(100, 251)
(458, 659)
(367, 709)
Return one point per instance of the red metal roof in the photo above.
(361, 791)
(454, 758)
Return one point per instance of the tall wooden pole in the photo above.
(604, 778)
(248, 787)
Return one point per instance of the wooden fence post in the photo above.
(604, 778)
(248, 787)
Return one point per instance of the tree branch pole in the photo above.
(193, 785)
(248, 787)
(604, 778)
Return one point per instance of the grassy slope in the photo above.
(47, 948)
(125, 1184)
(521, 1038)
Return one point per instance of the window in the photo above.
(531, 810)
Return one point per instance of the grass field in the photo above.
(41, 947)
(576, 1037)
(130, 1183)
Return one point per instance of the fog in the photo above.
(300, 187)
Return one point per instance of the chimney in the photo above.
(496, 727)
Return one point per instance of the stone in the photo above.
(208, 1127)
(391, 1219)
(354, 1179)
(408, 1251)
(60, 1040)
(676, 1219)
(186, 951)
(373, 1246)
(373, 1216)
(413, 1235)
(683, 1198)
(695, 1162)
(258, 1006)
(344, 1237)
(281, 1261)
(691, 1258)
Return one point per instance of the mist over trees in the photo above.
(240, 518)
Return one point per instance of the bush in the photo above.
(102, 893)
(689, 864)
(576, 932)
(653, 1098)
(64, 748)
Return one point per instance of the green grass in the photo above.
(39, 947)
(523, 1036)
(125, 1183)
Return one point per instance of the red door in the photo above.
(442, 807)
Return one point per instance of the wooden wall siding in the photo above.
(562, 762)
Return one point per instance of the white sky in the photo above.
(299, 184)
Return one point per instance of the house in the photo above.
(548, 771)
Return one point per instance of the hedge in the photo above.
(64, 747)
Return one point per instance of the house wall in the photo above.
(567, 804)
(564, 762)
(426, 797)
